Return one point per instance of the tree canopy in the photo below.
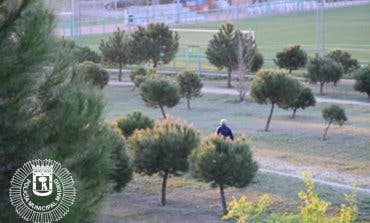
(190, 85)
(345, 59)
(220, 162)
(158, 92)
(48, 113)
(362, 83)
(163, 149)
(292, 58)
(118, 50)
(134, 121)
(304, 100)
(324, 70)
(274, 87)
(155, 43)
(333, 114)
(222, 50)
(92, 73)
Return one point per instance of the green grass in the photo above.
(299, 137)
(347, 28)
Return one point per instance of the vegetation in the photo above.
(133, 121)
(333, 114)
(122, 168)
(324, 70)
(93, 73)
(48, 113)
(156, 43)
(138, 76)
(190, 86)
(82, 54)
(314, 210)
(223, 50)
(305, 99)
(163, 149)
(291, 58)
(362, 77)
(219, 162)
(158, 92)
(276, 88)
(345, 59)
(246, 50)
(118, 50)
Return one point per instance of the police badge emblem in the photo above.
(42, 191)
(42, 180)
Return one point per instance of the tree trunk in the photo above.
(321, 87)
(164, 185)
(162, 110)
(335, 83)
(290, 70)
(229, 71)
(223, 200)
(119, 71)
(270, 116)
(188, 100)
(155, 64)
(325, 132)
(294, 111)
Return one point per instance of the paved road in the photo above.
(216, 90)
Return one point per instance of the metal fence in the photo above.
(92, 17)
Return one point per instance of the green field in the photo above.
(347, 28)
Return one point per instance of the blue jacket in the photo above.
(225, 131)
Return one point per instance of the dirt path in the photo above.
(216, 90)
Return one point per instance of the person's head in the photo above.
(223, 122)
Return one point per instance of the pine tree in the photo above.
(47, 113)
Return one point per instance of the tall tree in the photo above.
(163, 149)
(219, 162)
(47, 113)
(156, 43)
(118, 50)
(158, 92)
(333, 114)
(324, 70)
(221, 50)
(362, 77)
(345, 59)
(190, 86)
(276, 88)
(291, 58)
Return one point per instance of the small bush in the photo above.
(135, 120)
(314, 209)
(92, 72)
(333, 114)
(82, 54)
(138, 76)
(362, 77)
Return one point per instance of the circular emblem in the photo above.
(42, 191)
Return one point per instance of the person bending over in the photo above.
(224, 130)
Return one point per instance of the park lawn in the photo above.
(291, 141)
(191, 201)
(346, 150)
